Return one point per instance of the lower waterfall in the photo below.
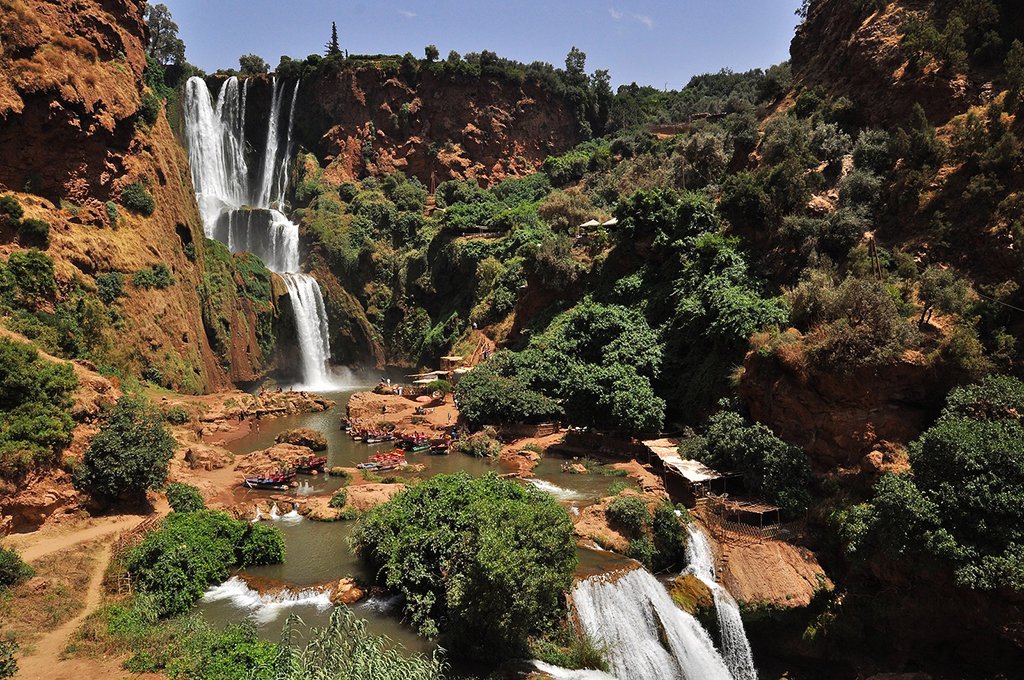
(735, 646)
(647, 637)
(311, 329)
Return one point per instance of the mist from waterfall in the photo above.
(735, 646)
(242, 207)
(645, 635)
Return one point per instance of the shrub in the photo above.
(150, 109)
(184, 497)
(36, 231)
(488, 398)
(157, 276)
(260, 544)
(13, 569)
(32, 271)
(567, 648)
(630, 513)
(483, 444)
(136, 197)
(482, 562)
(176, 415)
(110, 287)
(8, 664)
(188, 552)
(112, 214)
(130, 453)
(35, 408)
(338, 499)
(10, 206)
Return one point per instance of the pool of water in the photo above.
(319, 553)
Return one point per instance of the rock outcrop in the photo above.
(303, 436)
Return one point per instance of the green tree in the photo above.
(33, 275)
(184, 497)
(130, 453)
(1014, 66)
(333, 47)
(13, 569)
(483, 563)
(431, 53)
(164, 44)
(940, 289)
(252, 65)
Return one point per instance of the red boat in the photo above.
(311, 464)
(273, 481)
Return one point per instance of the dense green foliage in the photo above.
(656, 538)
(775, 470)
(136, 197)
(189, 551)
(130, 453)
(483, 563)
(35, 408)
(13, 569)
(189, 647)
(184, 497)
(158, 276)
(963, 504)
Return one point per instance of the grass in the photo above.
(31, 610)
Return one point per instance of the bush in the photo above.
(112, 214)
(35, 408)
(260, 545)
(483, 444)
(184, 497)
(8, 664)
(188, 552)
(130, 453)
(13, 569)
(630, 513)
(482, 562)
(150, 109)
(136, 197)
(338, 499)
(176, 415)
(10, 207)
(36, 231)
(157, 276)
(32, 271)
(110, 287)
(488, 398)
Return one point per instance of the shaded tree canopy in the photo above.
(164, 44)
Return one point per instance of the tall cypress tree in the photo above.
(332, 47)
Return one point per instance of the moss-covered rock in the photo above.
(691, 594)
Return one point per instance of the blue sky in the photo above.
(654, 42)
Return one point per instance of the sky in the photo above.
(653, 42)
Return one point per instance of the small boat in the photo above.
(311, 464)
(380, 439)
(368, 466)
(274, 482)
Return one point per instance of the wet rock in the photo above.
(277, 457)
(347, 591)
(304, 436)
(691, 594)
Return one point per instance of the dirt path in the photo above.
(44, 662)
(40, 544)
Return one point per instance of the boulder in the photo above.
(691, 594)
(319, 510)
(277, 457)
(347, 591)
(365, 496)
(205, 457)
(304, 436)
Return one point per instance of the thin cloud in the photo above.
(616, 15)
(407, 14)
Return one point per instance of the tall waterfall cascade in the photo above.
(241, 206)
(735, 646)
(647, 637)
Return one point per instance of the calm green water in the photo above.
(319, 552)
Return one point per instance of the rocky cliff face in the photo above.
(361, 120)
(851, 51)
(71, 138)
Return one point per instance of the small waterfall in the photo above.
(735, 646)
(258, 515)
(552, 489)
(266, 608)
(646, 635)
(246, 215)
(275, 513)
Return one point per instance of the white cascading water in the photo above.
(647, 637)
(266, 608)
(735, 646)
(242, 208)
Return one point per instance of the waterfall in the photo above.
(735, 646)
(243, 209)
(647, 637)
